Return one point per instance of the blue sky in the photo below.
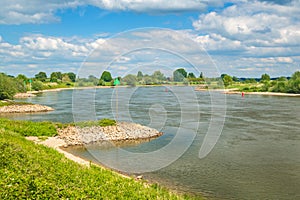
(245, 38)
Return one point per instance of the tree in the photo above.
(106, 76)
(201, 75)
(130, 79)
(235, 79)
(157, 75)
(282, 78)
(265, 78)
(65, 78)
(8, 87)
(179, 75)
(72, 76)
(37, 85)
(22, 77)
(94, 80)
(191, 75)
(294, 83)
(227, 80)
(139, 76)
(56, 77)
(41, 76)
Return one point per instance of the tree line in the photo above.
(9, 85)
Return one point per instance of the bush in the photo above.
(37, 85)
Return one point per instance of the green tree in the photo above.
(201, 75)
(282, 78)
(280, 86)
(65, 78)
(235, 79)
(265, 78)
(139, 76)
(41, 76)
(8, 87)
(157, 76)
(130, 80)
(106, 76)
(294, 83)
(94, 80)
(56, 77)
(227, 80)
(72, 76)
(22, 77)
(179, 75)
(191, 75)
(37, 85)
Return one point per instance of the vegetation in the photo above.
(10, 85)
(103, 122)
(29, 128)
(31, 171)
(106, 76)
(179, 75)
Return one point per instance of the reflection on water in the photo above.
(256, 157)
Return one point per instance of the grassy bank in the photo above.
(32, 171)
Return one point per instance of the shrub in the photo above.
(8, 87)
(37, 85)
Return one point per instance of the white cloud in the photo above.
(33, 11)
(252, 35)
(151, 5)
(38, 12)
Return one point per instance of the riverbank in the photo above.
(33, 171)
(262, 93)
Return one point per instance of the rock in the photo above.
(25, 108)
(122, 131)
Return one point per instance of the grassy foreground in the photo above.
(32, 171)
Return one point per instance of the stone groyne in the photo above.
(26, 108)
(73, 135)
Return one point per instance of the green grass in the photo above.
(28, 128)
(103, 122)
(48, 129)
(32, 171)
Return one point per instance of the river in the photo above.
(256, 157)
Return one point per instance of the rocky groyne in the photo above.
(25, 108)
(73, 135)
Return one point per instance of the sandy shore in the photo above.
(56, 143)
(264, 93)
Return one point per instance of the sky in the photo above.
(244, 38)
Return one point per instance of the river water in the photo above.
(256, 157)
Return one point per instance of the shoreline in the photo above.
(65, 139)
(263, 93)
(225, 91)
